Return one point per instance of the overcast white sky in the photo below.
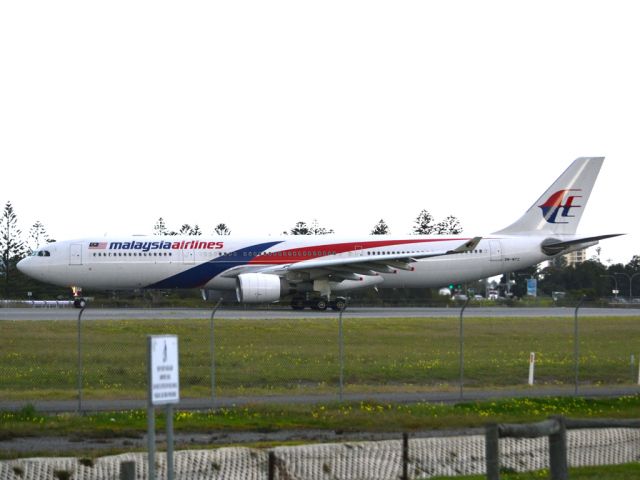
(260, 114)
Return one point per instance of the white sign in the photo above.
(164, 377)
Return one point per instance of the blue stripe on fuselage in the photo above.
(201, 274)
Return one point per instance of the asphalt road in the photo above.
(31, 313)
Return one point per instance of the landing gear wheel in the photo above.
(80, 303)
(338, 304)
(297, 303)
(320, 304)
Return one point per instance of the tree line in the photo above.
(424, 224)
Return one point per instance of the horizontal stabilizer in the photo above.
(553, 246)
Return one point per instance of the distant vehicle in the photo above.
(460, 297)
(478, 297)
(312, 269)
(558, 295)
(445, 292)
(493, 295)
(619, 300)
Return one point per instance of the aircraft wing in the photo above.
(349, 267)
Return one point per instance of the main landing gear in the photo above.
(318, 303)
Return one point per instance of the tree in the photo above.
(423, 224)
(449, 226)
(38, 235)
(160, 228)
(187, 229)
(11, 245)
(381, 228)
(634, 264)
(222, 229)
(318, 230)
(301, 228)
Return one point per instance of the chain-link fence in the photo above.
(41, 360)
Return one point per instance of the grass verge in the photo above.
(356, 417)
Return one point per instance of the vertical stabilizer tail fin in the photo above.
(560, 208)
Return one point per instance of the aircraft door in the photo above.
(75, 254)
(188, 256)
(496, 250)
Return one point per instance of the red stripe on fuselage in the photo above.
(293, 255)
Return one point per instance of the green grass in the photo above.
(38, 359)
(346, 417)
(357, 417)
(627, 471)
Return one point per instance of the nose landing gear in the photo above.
(78, 300)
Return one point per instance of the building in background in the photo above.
(575, 258)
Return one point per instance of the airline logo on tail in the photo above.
(561, 203)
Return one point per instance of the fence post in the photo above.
(80, 359)
(492, 451)
(405, 456)
(576, 344)
(169, 428)
(462, 346)
(127, 470)
(213, 351)
(558, 451)
(341, 350)
(272, 465)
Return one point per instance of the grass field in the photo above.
(333, 416)
(38, 359)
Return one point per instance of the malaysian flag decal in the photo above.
(98, 245)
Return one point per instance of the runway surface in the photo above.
(92, 313)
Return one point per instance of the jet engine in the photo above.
(258, 287)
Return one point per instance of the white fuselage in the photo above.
(199, 262)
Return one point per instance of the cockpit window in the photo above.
(41, 253)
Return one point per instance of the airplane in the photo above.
(314, 270)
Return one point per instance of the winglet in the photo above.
(468, 246)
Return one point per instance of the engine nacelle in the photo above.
(258, 287)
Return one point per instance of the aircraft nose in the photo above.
(23, 266)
